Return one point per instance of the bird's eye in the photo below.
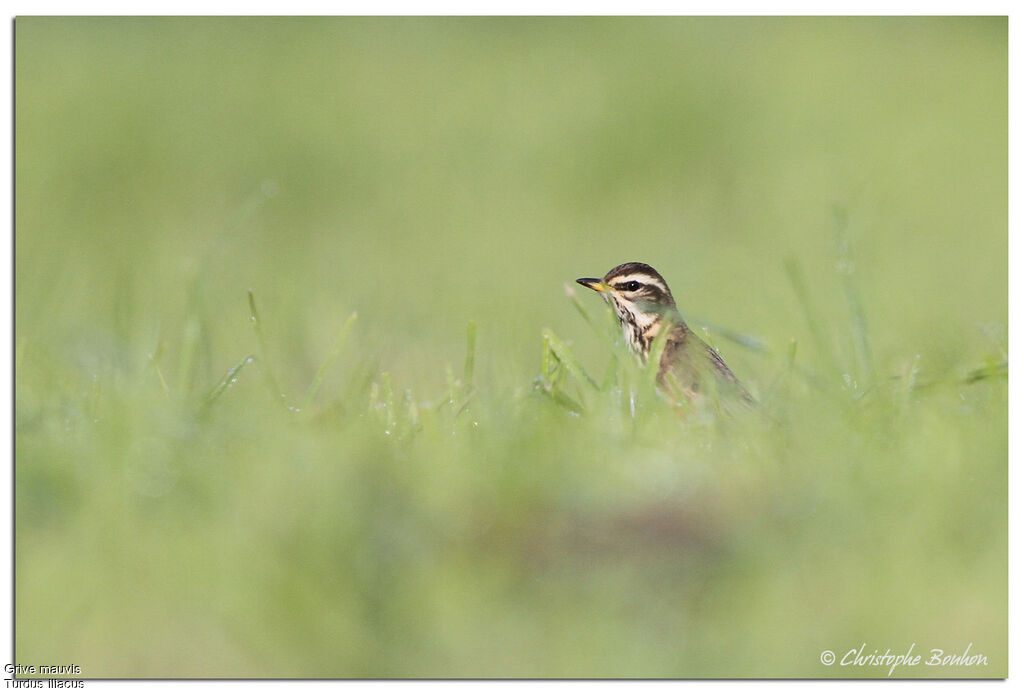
(630, 286)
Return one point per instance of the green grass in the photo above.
(299, 391)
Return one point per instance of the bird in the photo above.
(690, 370)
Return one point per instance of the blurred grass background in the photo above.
(430, 172)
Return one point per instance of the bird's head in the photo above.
(635, 287)
(640, 296)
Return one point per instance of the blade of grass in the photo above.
(374, 397)
(546, 358)
(858, 322)
(389, 401)
(230, 378)
(786, 369)
(411, 409)
(610, 375)
(467, 371)
(154, 359)
(565, 356)
(796, 278)
(254, 318)
(453, 386)
(557, 395)
(745, 340)
(1001, 370)
(188, 357)
(578, 305)
(339, 342)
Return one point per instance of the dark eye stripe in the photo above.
(628, 286)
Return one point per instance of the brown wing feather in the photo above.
(685, 361)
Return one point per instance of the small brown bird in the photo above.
(689, 369)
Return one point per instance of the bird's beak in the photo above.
(592, 283)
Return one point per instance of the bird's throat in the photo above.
(639, 329)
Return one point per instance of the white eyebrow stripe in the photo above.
(640, 277)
